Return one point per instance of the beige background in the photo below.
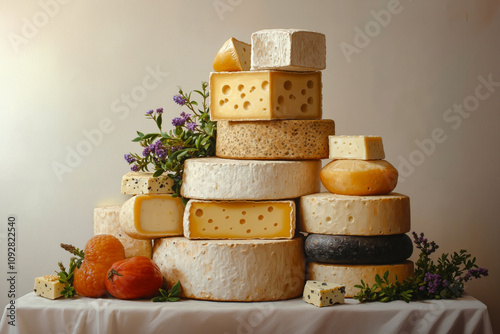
(70, 67)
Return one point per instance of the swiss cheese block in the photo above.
(234, 55)
(232, 270)
(349, 249)
(239, 220)
(274, 140)
(359, 177)
(48, 286)
(107, 221)
(356, 147)
(351, 275)
(323, 293)
(265, 95)
(230, 179)
(327, 213)
(152, 216)
(136, 183)
(288, 49)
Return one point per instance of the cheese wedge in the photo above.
(356, 147)
(234, 55)
(48, 286)
(322, 294)
(137, 183)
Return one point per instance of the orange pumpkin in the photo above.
(134, 278)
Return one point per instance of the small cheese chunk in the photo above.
(356, 147)
(234, 55)
(152, 216)
(107, 221)
(48, 286)
(265, 95)
(323, 293)
(239, 220)
(288, 49)
(274, 140)
(327, 213)
(359, 177)
(230, 179)
(351, 275)
(137, 183)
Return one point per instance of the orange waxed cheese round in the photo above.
(359, 177)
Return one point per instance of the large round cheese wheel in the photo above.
(351, 275)
(230, 179)
(233, 270)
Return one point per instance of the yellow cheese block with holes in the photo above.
(265, 95)
(356, 147)
(359, 177)
(152, 216)
(239, 220)
(234, 55)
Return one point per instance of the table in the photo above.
(35, 314)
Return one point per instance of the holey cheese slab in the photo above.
(231, 179)
(233, 270)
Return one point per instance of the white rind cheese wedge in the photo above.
(231, 179)
(351, 275)
(239, 220)
(137, 183)
(232, 270)
(289, 50)
(107, 221)
(323, 293)
(356, 147)
(48, 286)
(234, 55)
(327, 213)
(152, 216)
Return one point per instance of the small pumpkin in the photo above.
(134, 278)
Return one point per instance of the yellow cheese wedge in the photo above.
(152, 216)
(239, 220)
(48, 286)
(359, 177)
(234, 55)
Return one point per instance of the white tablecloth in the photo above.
(35, 314)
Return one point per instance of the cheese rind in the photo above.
(265, 95)
(351, 275)
(322, 294)
(359, 177)
(232, 270)
(230, 179)
(152, 216)
(48, 286)
(274, 140)
(138, 183)
(356, 147)
(107, 221)
(234, 55)
(239, 220)
(327, 213)
(288, 49)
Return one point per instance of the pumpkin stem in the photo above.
(113, 272)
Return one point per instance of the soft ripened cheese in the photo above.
(359, 177)
(265, 95)
(48, 286)
(351, 275)
(288, 49)
(356, 147)
(230, 179)
(274, 140)
(152, 216)
(107, 221)
(323, 293)
(239, 220)
(136, 183)
(327, 213)
(232, 270)
(234, 55)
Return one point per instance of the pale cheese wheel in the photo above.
(233, 270)
(351, 275)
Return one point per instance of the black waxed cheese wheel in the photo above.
(345, 249)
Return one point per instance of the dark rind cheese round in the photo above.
(345, 249)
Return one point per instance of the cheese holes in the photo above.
(199, 213)
(242, 221)
(221, 103)
(247, 105)
(241, 87)
(281, 99)
(243, 212)
(350, 219)
(261, 217)
(216, 228)
(292, 97)
(226, 90)
(210, 221)
(252, 89)
(303, 92)
(265, 85)
(303, 108)
(310, 84)
(288, 85)
(310, 100)
(270, 209)
(249, 231)
(242, 95)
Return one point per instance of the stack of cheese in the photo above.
(239, 239)
(358, 229)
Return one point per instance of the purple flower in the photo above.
(129, 158)
(476, 273)
(178, 121)
(434, 282)
(134, 168)
(159, 111)
(158, 150)
(146, 151)
(191, 126)
(150, 112)
(175, 148)
(179, 100)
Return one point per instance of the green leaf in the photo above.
(158, 173)
(140, 134)
(176, 289)
(173, 299)
(159, 121)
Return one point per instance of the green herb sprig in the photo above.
(67, 277)
(169, 296)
